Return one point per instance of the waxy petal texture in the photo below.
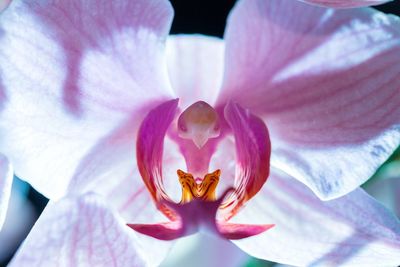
(195, 67)
(72, 73)
(345, 3)
(83, 232)
(253, 151)
(6, 176)
(354, 230)
(326, 83)
(150, 147)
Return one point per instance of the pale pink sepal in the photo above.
(163, 231)
(195, 67)
(345, 3)
(326, 83)
(354, 230)
(6, 177)
(84, 232)
(72, 74)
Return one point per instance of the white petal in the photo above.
(195, 66)
(353, 230)
(73, 74)
(83, 232)
(326, 83)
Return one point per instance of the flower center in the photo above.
(197, 210)
(193, 190)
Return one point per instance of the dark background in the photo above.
(206, 17)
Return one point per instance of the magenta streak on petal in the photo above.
(162, 231)
(149, 149)
(198, 215)
(239, 231)
(131, 199)
(197, 160)
(253, 151)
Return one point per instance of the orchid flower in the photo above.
(303, 96)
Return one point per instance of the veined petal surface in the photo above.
(326, 83)
(354, 230)
(195, 67)
(84, 232)
(73, 73)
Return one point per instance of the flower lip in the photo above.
(198, 207)
(198, 215)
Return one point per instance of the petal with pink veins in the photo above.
(354, 230)
(84, 232)
(195, 67)
(73, 74)
(6, 176)
(345, 3)
(326, 83)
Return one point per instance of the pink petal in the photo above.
(253, 151)
(73, 74)
(345, 3)
(325, 81)
(117, 178)
(83, 232)
(6, 176)
(162, 231)
(236, 231)
(195, 66)
(353, 230)
(149, 151)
